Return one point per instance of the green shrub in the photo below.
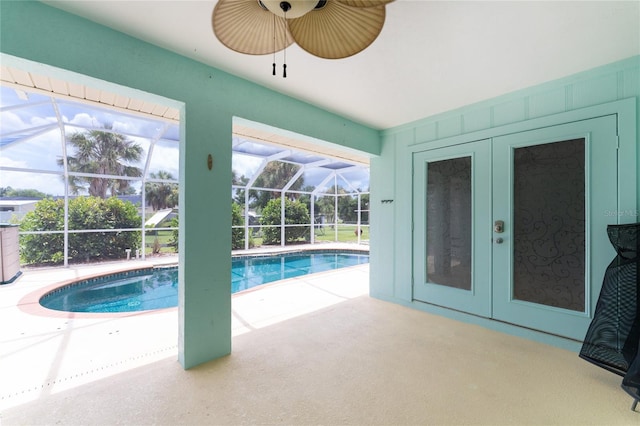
(173, 241)
(296, 212)
(48, 215)
(84, 213)
(237, 234)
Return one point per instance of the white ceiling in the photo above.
(431, 56)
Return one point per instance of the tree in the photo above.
(325, 206)
(174, 197)
(276, 175)
(30, 193)
(161, 195)
(239, 181)
(364, 206)
(105, 153)
(347, 205)
(347, 208)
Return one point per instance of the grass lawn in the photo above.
(346, 234)
(163, 238)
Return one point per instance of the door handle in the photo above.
(499, 241)
(498, 226)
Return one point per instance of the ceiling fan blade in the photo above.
(244, 26)
(364, 3)
(337, 31)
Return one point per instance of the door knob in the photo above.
(499, 240)
(498, 226)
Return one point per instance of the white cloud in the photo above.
(49, 184)
(35, 153)
(83, 119)
(9, 122)
(245, 165)
(165, 158)
(125, 127)
(9, 162)
(42, 121)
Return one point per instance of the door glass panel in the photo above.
(449, 222)
(549, 224)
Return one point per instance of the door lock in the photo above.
(498, 226)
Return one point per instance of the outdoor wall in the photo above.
(34, 34)
(391, 179)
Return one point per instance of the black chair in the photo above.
(613, 338)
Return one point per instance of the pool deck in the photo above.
(44, 352)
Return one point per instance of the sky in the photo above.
(31, 139)
(36, 117)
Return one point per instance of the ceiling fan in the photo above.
(330, 29)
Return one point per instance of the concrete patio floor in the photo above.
(43, 352)
(310, 350)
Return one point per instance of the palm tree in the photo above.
(104, 153)
(160, 195)
(275, 175)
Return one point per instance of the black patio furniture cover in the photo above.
(613, 338)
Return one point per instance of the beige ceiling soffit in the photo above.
(296, 144)
(29, 82)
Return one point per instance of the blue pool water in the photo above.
(158, 288)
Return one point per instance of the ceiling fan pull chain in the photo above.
(285, 8)
(274, 44)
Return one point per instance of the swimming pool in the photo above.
(157, 288)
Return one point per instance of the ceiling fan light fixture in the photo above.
(336, 29)
(247, 27)
(290, 9)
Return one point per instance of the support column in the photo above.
(204, 292)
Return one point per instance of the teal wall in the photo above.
(391, 235)
(33, 33)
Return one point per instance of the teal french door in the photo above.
(556, 192)
(452, 205)
(514, 228)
